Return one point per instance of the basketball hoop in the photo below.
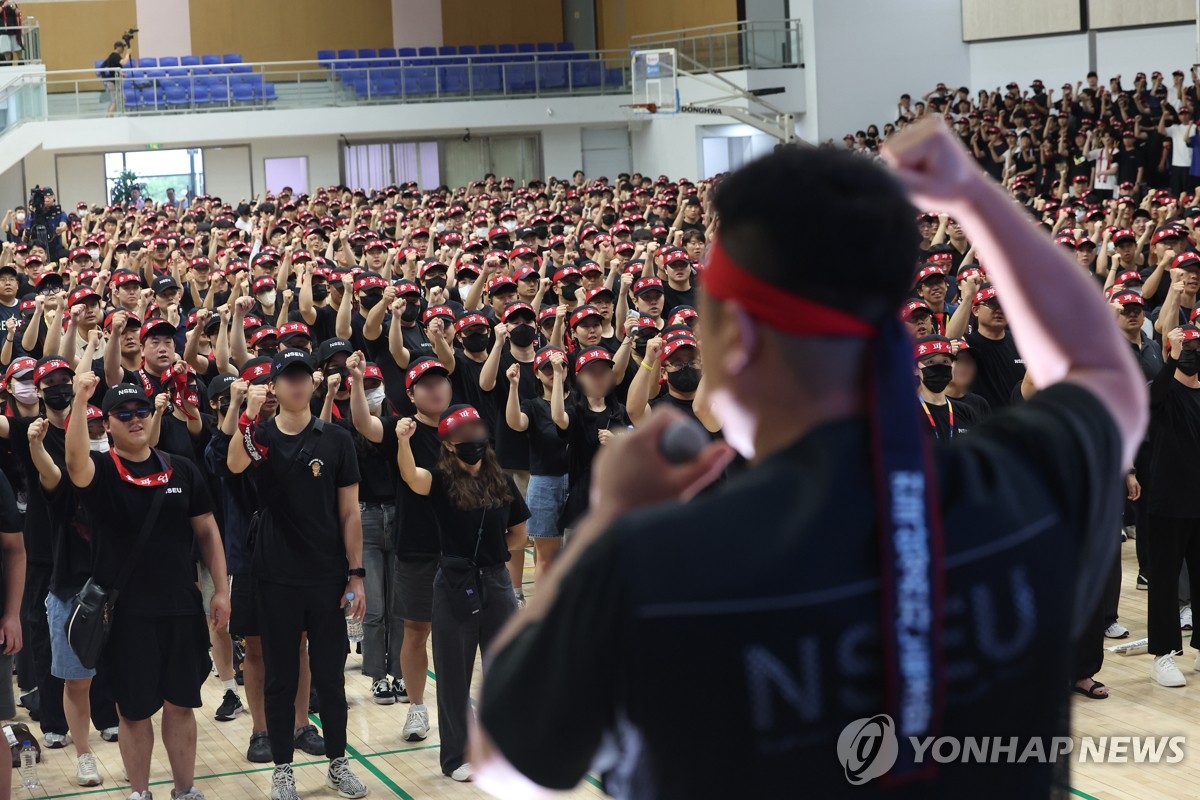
(651, 108)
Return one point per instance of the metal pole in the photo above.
(1197, 32)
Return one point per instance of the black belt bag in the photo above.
(464, 581)
(91, 616)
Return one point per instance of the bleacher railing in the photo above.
(337, 82)
(772, 44)
(30, 35)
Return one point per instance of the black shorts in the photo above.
(152, 660)
(243, 610)
(414, 588)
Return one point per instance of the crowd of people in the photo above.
(353, 404)
(365, 404)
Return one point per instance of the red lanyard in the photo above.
(933, 423)
(146, 382)
(157, 479)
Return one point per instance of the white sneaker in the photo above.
(340, 777)
(462, 774)
(1185, 618)
(189, 794)
(1116, 631)
(85, 771)
(1166, 673)
(55, 741)
(110, 734)
(141, 795)
(283, 783)
(416, 726)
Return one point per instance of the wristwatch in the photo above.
(357, 573)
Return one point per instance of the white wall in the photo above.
(12, 187)
(416, 23)
(561, 150)
(227, 173)
(164, 28)
(80, 177)
(324, 169)
(863, 54)
(1128, 52)
(1054, 60)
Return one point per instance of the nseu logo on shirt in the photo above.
(867, 749)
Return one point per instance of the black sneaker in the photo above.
(381, 692)
(308, 740)
(259, 751)
(400, 690)
(1142, 583)
(230, 707)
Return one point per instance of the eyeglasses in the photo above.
(675, 366)
(126, 414)
(992, 305)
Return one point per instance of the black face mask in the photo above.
(59, 397)
(936, 377)
(370, 301)
(435, 283)
(608, 219)
(569, 289)
(475, 343)
(471, 452)
(540, 231)
(320, 292)
(411, 311)
(268, 351)
(1189, 363)
(685, 380)
(224, 407)
(522, 335)
(557, 230)
(639, 346)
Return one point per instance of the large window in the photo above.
(454, 162)
(159, 170)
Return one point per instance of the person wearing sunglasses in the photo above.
(156, 657)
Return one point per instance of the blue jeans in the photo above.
(383, 631)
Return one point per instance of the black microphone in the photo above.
(682, 441)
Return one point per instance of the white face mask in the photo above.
(375, 399)
(94, 253)
(568, 230)
(464, 287)
(510, 224)
(25, 392)
(268, 298)
(441, 226)
(99, 445)
(20, 216)
(479, 232)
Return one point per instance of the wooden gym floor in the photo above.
(394, 768)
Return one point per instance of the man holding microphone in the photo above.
(865, 562)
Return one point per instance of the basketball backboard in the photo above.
(654, 81)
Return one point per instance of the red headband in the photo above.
(449, 423)
(787, 313)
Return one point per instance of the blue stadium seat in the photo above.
(133, 99)
(447, 50)
(546, 47)
(325, 57)
(565, 47)
(585, 74)
(351, 75)
(519, 77)
(526, 47)
(147, 63)
(178, 72)
(388, 53)
(149, 98)
(614, 77)
(200, 95)
(233, 58)
(241, 93)
(347, 55)
(241, 69)
(427, 52)
(506, 50)
(209, 59)
(99, 64)
(407, 52)
(168, 61)
(222, 69)
(189, 61)
(551, 75)
(197, 71)
(487, 54)
(467, 50)
(454, 80)
(218, 93)
(486, 78)
(367, 52)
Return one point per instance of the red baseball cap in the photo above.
(422, 368)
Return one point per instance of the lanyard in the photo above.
(933, 423)
(158, 478)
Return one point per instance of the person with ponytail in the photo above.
(481, 517)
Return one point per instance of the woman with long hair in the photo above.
(481, 516)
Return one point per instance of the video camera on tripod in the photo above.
(38, 230)
(128, 35)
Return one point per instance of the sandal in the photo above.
(1091, 692)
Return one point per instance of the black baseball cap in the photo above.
(220, 385)
(164, 283)
(124, 393)
(291, 359)
(331, 347)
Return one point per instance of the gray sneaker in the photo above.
(341, 778)
(187, 794)
(283, 783)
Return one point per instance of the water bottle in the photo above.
(29, 776)
(354, 628)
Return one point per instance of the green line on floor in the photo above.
(1084, 795)
(378, 773)
(594, 782)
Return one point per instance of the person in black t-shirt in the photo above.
(482, 517)
(934, 357)
(156, 656)
(547, 493)
(678, 289)
(307, 560)
(110, 71)
(12, 580)
(417, 545)
(804, 660)
(999, 363)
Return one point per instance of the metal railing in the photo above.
(29, 38)
(78, 94)
(736, 45)
(21, 100)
